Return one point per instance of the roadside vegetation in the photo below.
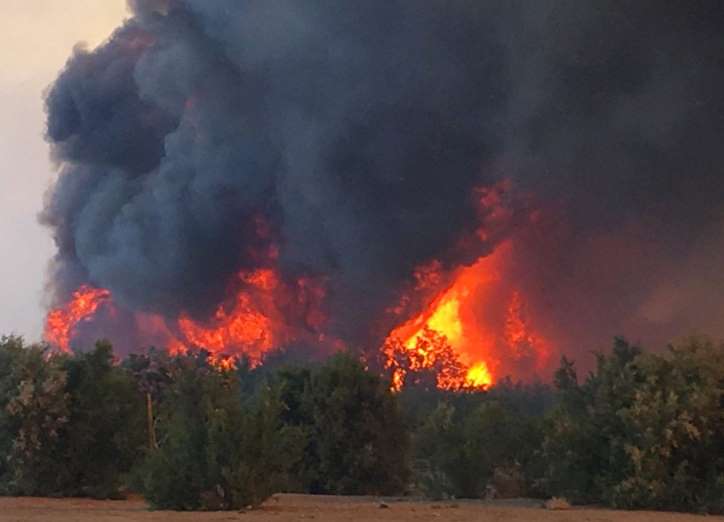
(643, 430)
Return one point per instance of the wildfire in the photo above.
(261, 313)
(240, 323)
(519, 336)
(430, 345)
(474, 325)
(479, 376)
(61, 322)
(264, 313)
(464, 336)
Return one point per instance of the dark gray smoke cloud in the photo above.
(359, 130)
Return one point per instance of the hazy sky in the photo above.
(36, 38)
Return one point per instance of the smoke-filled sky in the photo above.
(36, 38)
(359, 132)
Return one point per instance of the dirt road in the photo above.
(287, 508)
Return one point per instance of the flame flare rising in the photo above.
(523, 342)
(432, 346)
(464, 335)
(61, 322)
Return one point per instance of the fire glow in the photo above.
(472, 350)
(469, 327)
(463, 350)
(61, 322)
(262, 313)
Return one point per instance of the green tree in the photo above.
(465, 449)
(36, 412)
(643, 430)
(675, 428)
(175, 474)
(252, 450)
(105, 433)
(359, 442)
(222, 443)
(11, 352)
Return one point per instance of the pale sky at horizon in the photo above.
(38, 36)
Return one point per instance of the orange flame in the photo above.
(262, 313)
(446, 322)
(479, 376)
(240, 323)
(467, 334)
(61, 322)
(475, 328)
(522, 341)
(481, 346)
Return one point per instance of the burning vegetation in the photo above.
(252, 321)
(440, 191)
(61, 322)
(453, 193)
(472, 325)
(461, 334)
(447, 338)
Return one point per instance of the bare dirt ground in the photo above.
(287, 508)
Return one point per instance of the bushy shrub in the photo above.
(255, 457)
(37, 410)
(358, 443)
(105, 433)
(69, 422)
(12, 350)
(464, 450)
(219, 448)
(643, 431)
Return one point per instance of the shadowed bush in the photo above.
(72, 425)
(641, 431)
(219, 448)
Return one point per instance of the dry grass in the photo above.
(287, 508)
(557, 504)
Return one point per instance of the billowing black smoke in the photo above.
(359, 130)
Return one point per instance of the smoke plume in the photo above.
(351, 137)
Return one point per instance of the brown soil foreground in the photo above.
(283, 508)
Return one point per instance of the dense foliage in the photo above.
(642, 430)
(70, 425)
(219, 446)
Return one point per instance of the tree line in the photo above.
(642, 430)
